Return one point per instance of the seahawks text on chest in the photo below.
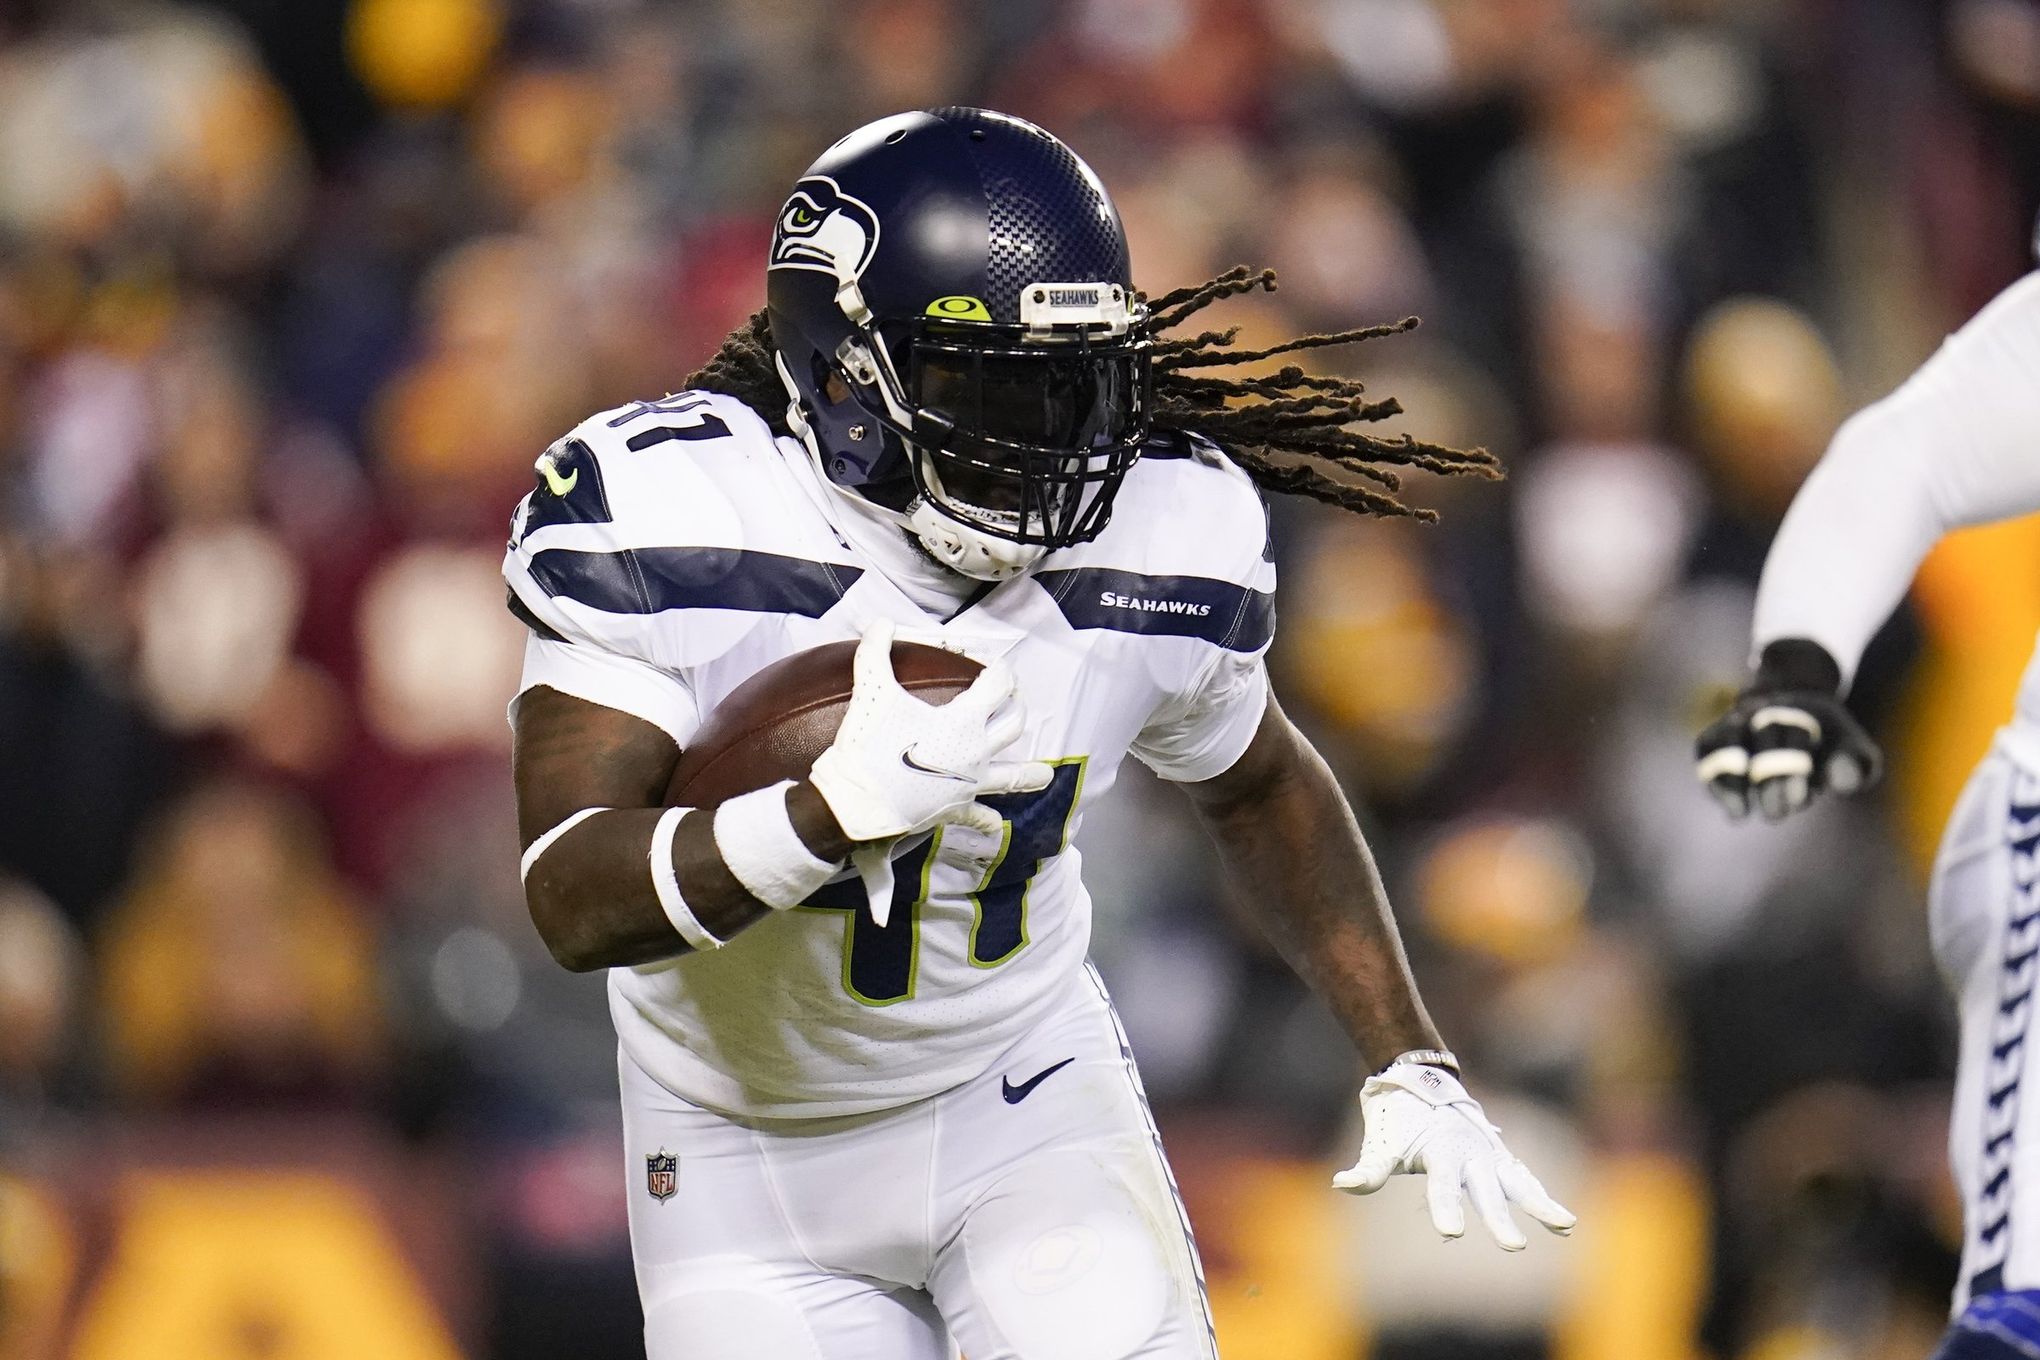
(1114, 601)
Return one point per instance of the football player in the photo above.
(879, 1134)
(1958, 444)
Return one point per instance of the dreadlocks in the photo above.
(1290, 431)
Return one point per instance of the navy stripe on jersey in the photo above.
(573, 493)
(653, 580)
(522, 613)
(1996, 1327)
(1220, 612)
(708, 427)
(2016, 970)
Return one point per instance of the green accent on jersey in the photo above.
(555, 483)
(1008, 881)
(887, 969)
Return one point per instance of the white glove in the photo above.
(1421, 1119)
(900, 765)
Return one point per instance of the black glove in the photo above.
(1787, 737)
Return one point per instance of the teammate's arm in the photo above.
(1291, 846)
(590, 892)
(1956, 445)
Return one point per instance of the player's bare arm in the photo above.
(1291, 845)
(613, 877)
(591, 893)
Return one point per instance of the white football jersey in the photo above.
(672, 549)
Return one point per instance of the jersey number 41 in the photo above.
(880, 963)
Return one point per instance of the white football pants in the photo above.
(1025, 1215)
(1985, 918)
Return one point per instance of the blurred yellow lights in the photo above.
(213, 1264)
(1377, 654)
(539, 134)
(1512, 889)
(422, 54)
(1765, 395)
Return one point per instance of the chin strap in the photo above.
(956, 546)
(965, 551)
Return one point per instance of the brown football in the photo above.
(773, 725)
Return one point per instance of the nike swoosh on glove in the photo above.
(1420, 1119)
(900, 765)
(1786, 738)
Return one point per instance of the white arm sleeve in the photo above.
(1958, 444)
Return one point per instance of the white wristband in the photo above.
(545, 842)
(1432, 1085)
(754, 832)
(666, 879)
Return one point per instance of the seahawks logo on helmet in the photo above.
(826, 230)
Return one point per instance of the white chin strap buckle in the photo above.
(967, 552)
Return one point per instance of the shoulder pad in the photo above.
(644, 475)
(1185, 501)
(675, 510)
(1187, 553)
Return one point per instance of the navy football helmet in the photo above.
(954, 319)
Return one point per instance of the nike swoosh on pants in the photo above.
(1015, 1094)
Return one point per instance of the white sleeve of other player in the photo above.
(619, 682)
(1958, 444)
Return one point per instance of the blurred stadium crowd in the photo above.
(292, 294)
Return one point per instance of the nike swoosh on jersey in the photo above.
(907, 759)
(1015, 1094)
(555, 483)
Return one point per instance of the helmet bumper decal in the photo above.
(826, 230)
(1046, 308)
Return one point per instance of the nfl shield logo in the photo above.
(662, 1174)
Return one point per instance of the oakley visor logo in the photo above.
(960, 308)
